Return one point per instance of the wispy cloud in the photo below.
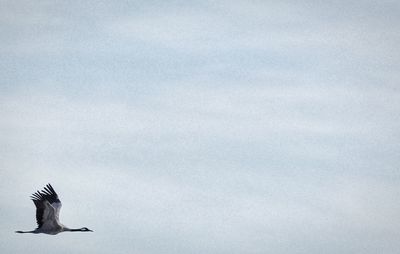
(240, 127)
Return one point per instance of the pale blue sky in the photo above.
(202, 126)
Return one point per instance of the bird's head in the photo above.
(86, 230)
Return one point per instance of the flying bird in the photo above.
(48, 208)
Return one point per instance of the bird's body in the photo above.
(48, 208)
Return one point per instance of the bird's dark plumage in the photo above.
(48, 207)
(48, 194)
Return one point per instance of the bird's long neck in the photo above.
(73, 229)
(76, 229)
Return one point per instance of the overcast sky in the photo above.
(202, 126)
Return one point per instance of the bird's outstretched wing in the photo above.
(47, 206)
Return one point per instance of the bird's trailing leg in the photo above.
(23, 232)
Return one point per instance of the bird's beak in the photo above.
(90, 230)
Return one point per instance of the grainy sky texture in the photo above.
(202, 126)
